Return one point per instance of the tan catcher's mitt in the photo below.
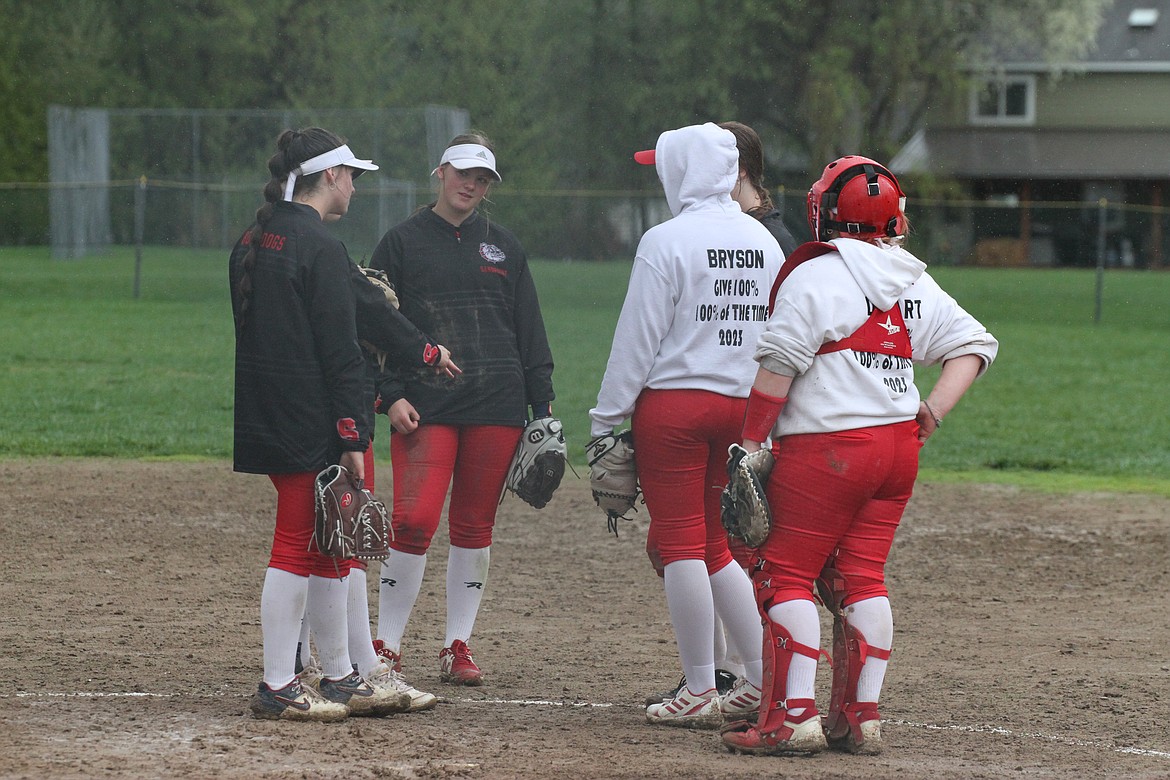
(613, 476)
(744, 506)
(351, 522)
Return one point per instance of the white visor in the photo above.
(464, 156)
(339, 156)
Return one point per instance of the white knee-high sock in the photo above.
(327, 619)
(720, 637)
(799, 617)
(361, 645)
(735, 604)
(692, 613)
(282, 604)
(401, 579)
(467, 572)
(875, 620)
(306, 652)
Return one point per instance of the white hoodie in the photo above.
(827, 299)
(698, 293)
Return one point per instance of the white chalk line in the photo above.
(1030, 735)
(997, 730)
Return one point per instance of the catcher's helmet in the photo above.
(856, 197)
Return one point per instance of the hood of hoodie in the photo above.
(696, 165)
(882, 271)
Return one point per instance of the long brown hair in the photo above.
(751, 159)
(293, 147)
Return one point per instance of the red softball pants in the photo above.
(292, 542)
(471, 460)
(680, 444)
(839, 494)
(296, 517)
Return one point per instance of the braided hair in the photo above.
(293, 147)
(751, 159)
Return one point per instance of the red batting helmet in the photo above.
(856, 197)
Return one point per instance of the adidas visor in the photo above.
(464, 156)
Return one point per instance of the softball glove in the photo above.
(539, 462)
(744, 508)
(350, 521)
(379, 279)
(612, 476)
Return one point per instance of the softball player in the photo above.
(680, 369)
(755, 200)
(835, 391)
(465, 279)
(300, 406)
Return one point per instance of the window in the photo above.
(1008, 100)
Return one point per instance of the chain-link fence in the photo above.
(607, 225)
(196, 161)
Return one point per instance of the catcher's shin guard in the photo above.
(851, 725)
(775, 733)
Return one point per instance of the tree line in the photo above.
(567, 89)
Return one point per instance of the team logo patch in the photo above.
(347, 429)
(492, 253)
(431, 354)
(303, 706)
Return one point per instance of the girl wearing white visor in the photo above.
(465, 279)
(302, 403)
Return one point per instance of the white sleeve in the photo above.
(645, 320)
(949, 331)
(807, 307)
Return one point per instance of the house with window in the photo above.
(1062, 162)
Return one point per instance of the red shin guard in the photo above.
(850, 652)
(779, 647)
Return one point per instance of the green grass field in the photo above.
(92, 371)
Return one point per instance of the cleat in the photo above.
(388, 656)
(295, 702)
(384, 675)
(661, 696)
(864, 738)
(801, 734)
(456, 666)
(687, 710)
(742, 702)
(360, 696)
(724, 682)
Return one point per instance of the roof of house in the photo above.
(1030, 153)
(1134, 37)
(1132, 32)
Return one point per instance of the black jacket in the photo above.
(470, 288)
(775, 224)
(301, 385)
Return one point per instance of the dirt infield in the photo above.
(1031, 641)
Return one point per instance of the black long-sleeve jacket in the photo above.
(300, 384)
(471, 289)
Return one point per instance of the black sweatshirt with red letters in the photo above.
(301, 388)
(471, 289)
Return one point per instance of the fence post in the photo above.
(1102, 216)
(139, 229)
